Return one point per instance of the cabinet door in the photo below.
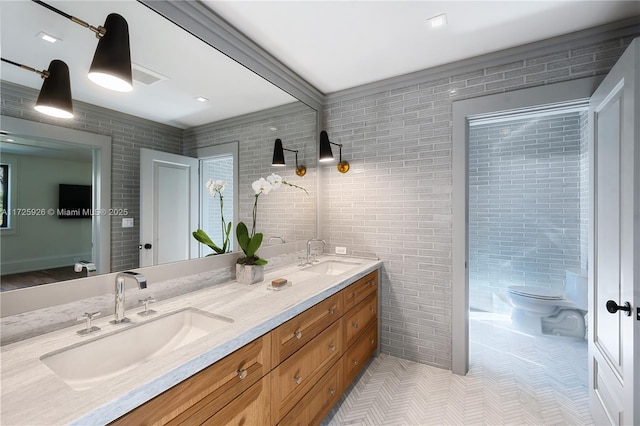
(316, 404)
(250, 408)
(296, 376)
(357, 355)
(206, 392)
(359, 318)
(357, 291)
(295, 333)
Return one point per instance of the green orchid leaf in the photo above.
(242, 233)
(254, 244)
(203, 238)
(261, 262)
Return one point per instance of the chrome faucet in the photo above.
(309, 247)
(88, 266)
(119, 293)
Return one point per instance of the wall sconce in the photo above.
(278, 157)
(327, 155)
(55, 95)
(111, 65)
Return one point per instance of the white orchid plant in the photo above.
(250, 243)
(216, 188)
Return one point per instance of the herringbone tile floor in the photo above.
(514, 379)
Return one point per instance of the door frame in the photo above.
(564, 92)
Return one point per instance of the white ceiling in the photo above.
(336, 45)
(192, 67)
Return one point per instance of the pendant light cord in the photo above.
(43, 74)
(100, 31)
(53, 9)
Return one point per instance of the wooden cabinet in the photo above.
(292, 375)
(359, 318)
(357, 355)
(292, 379)
(250, 408)
(357, 291)
(318, 402)
(200, 396)
(295, 333)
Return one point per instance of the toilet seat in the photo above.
(539, 293)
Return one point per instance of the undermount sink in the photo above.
(332, 267)
(84, 365)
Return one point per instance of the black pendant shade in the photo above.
(111, 66)
(325, 147)
(55, 96)
(278, 154)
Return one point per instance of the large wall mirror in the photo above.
(188, 100)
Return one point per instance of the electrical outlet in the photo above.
(341, 250)
(127, 222)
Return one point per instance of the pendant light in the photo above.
(278, 157)
(54, 98)
(111, 65)
(326, 154)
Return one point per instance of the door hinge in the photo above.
(638, 314)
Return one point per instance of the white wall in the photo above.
(44, 241)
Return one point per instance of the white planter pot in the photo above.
(249, 274)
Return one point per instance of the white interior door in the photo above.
(614, 275)
(169, 207)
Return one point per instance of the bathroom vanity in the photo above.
(272, 357)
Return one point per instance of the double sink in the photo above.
(90, 363)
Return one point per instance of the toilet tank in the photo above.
(576, 287)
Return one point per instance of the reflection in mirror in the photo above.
(162, 114)
(47, 227)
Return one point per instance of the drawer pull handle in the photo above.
(373, 341)
(298, 334)
(355, 325)
(355, 294)
(372, 309)
(332, 311)
(372, 282)
(297, 379)
(332, 391)
(355, 362)
(242, 373)
(332, 348)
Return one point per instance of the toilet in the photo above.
(538, 310)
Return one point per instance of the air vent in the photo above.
(146, 76)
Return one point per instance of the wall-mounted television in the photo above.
(74, 201)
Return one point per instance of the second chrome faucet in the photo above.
(119, 293)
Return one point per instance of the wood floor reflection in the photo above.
(33, 278)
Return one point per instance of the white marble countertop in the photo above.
(33, 395)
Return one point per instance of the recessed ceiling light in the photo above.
(48, 37)
(202, 99)
(273, 129)
(438, 21)
(10, 140)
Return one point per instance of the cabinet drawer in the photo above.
(357, 291)
(206, 392)
(316, 404)
(296, 376)
(295, 333)
(250, 408)
(359, 318)
(356, 357)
